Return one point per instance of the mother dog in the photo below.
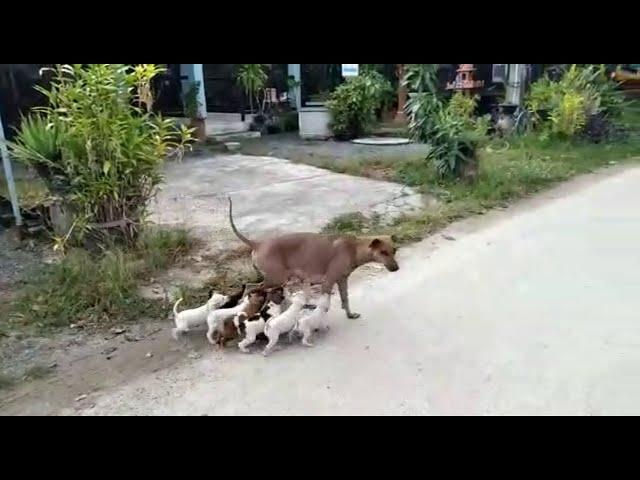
(316, 258)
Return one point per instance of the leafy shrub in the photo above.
(353, 106)
(449, 129)
(562, 105)
(569, 117)
(383, 88)
(98, 145)
(453, 145)
(421, 77)
(462, 105)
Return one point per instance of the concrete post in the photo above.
(8, 171)
(515, 84)
(293, 70)
(193, 73)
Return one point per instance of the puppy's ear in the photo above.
(375, 243)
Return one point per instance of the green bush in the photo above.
(568, 118)
(563, 107)
(353, 105)
(98, 145)
(450, 129)
(462, 105)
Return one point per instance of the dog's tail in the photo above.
(244, 239)
(175, 306)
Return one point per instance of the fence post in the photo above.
(6, 162)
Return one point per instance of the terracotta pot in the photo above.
(200, 132)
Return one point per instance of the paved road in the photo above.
(534, 311)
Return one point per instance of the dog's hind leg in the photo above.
(306, 337)
(249, 339)
(273, 340)
(210, 333)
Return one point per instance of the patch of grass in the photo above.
(161, 248)
(347, 224)
(97, 289)
(508, 171)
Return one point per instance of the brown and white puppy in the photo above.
(226, 333)
(256, 301)
(229, 328)
(318, 259)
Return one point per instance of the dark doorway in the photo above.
(222, 91)
(167, 89)
(17, 92)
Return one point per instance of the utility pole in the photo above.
(515, 84)
(8, 172)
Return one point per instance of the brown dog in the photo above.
(325, 259)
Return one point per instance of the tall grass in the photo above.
(97, 288)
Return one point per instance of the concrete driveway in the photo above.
(270, 196)
(531, 311)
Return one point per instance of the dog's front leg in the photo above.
(344, 297)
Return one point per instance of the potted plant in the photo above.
(252, 78)
(192, 111)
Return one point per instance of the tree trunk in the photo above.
(402, 95)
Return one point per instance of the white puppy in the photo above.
(216, 318)
(316, 319)
(255, 327)
(284, 322)
(188, 319)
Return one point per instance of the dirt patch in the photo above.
(77, 366)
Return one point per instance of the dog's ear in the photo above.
(375, 243)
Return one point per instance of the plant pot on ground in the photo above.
(199, 126)
(192, 111)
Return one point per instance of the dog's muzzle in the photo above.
(393, 268)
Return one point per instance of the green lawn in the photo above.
(509, 170)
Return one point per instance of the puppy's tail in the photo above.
(242, 238)
(175, 306)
